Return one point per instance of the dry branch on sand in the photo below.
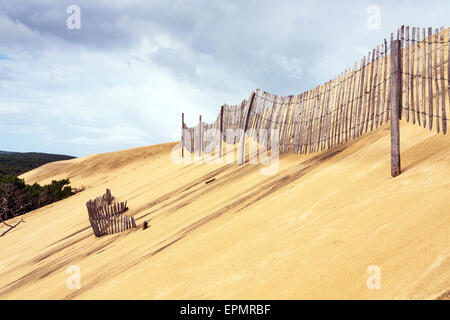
(10, 227)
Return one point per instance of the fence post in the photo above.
(247, 116)
(396, 97)
(182, 135)
(200, 137)
(221, 132)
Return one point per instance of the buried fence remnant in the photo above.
(106, 216)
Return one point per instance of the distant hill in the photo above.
(16, 163)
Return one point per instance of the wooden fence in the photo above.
(106, 217)
(413, 78)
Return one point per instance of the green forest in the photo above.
(17, 197)
(16, 163)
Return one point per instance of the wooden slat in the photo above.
(337, 119)
(348, 109)
(305, 121)
(266, 115)
(95, 227)
(424, 77)
(281, 121)
(379, 88)
(92, 222)
(388, 105)
(311, 119)
(104, 225)
(336, 110)
(347, 100)
(355, 101)
(273, 124)
(292, 107)
(285, 140)
(402, 62)
(430, 79)
(444, 115)
(252, 125)
(320, 121)
(260, 114)
(315, 121)
(326, 114)
(360, 95)
(396, 96)
(293, 129)
(279, 114)
(375, 101)
(268, 121)
(331, 111)
(370, 89)
(301, 129)
(406, 77)
(340, 106)
(436, 78)
(297, 125)
(318, 116)
(412, 74)
(309, 111)
(294, 122)
(346, 106)
(341, 123)
(417, 99)
(270, 112)
(365, 98)
(385, 82)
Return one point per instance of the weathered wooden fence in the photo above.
(106, 217)
(409, 76)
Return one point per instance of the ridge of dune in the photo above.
(308, 232)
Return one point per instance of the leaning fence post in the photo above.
(247, 116)
(221, 132)
(182, 135)
(200, 137)
(396, 97)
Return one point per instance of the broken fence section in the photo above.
(106, 216)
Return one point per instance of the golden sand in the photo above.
(310, 231)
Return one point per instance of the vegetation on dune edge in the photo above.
(17, 198)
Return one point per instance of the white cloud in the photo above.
(124, 79)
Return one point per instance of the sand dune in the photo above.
(308, 232)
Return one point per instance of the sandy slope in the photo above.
(309, 231)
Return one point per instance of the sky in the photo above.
(118, 74)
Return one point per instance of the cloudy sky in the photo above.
(123, 79)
